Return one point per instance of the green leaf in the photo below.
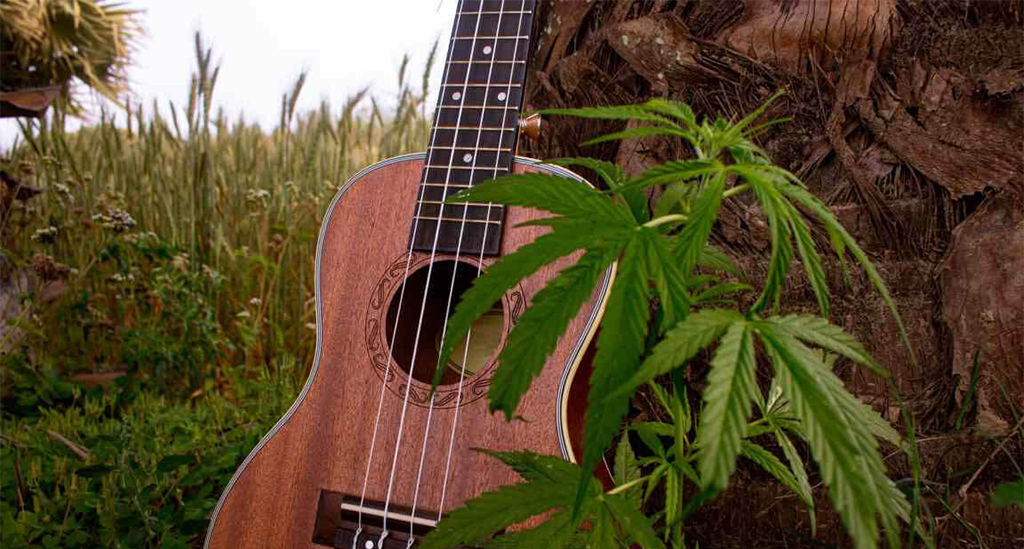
(844, 448)
(650, 433)
(633, 522)
(612, 174)
(817, 330)
(614, 178)
(736, 130)
(537, 333)
(719, 290)
(676, 171)
(716, 260)
(821, 211)
(693, 237)
(556, 532)
(536, 467)
(668, 277)
(170, 463)
(767, 461)
(558, 195)
(1010, 493)
(619, 112)
(782, 248)
(619, 349)
(482, 516)
(93, 471)
(602, 536)
(682, 343)
(627, 469)
(638, 131)
(809, 258)
(796, 465)
(681, 111)
(509, 270)
(728, 400)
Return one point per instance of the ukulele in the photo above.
(367, 457)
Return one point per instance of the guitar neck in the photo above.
(475, 125)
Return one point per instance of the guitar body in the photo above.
(320, 449)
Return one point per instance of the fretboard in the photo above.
(475, 126)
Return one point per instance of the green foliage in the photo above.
(1010, 493)
(173, 246)
(663, 259)
(550, 484)
(170, 241)
(153, 470)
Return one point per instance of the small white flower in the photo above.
(180, 262)
(255, 302)
(47, 235)
(243, 314)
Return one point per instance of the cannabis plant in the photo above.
(664, 260)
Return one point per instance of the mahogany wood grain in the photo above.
(325, 442)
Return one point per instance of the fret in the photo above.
(446, 185)
(486, 62)
(508, 12)
(455, 236)
(475, 117)
(422, 218)
(455, 167)
(476, 120)
(490, 205)
(435, 193)
(504, 49)
(480, 39)
(459, 211)
(457, 158)
(492, 24)
(473, 137)
(481, 95)
(437, 176)
(498, 5)
(470, 149)
(485, 73)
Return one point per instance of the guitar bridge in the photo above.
(338, 524)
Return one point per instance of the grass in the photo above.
(224, 197)
(173, 247)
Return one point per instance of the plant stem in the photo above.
(735, 190)
(626, 486)
(671, 218)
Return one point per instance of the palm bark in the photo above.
(907, 118)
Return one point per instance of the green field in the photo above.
(173, 246)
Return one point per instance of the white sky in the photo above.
(263, 45)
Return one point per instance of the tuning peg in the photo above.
(530, 126)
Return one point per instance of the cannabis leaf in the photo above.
(728, 401)
(666, 265)
(550, 483)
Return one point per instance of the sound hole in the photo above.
(484, 337)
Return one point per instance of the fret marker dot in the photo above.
(467, 158)
(456, 96)
(501, 96)
(487, 50)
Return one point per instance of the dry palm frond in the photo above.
(51, 42)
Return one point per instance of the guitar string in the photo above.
(401, 298)
(480, 263)
(451, 289)
(458, 253)
(423, 305)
